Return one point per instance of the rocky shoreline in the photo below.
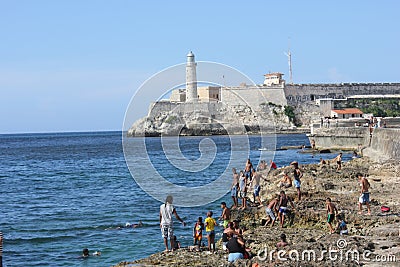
(306, 230)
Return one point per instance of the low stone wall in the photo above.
(340, 137)
(385, 145)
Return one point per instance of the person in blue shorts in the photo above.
(297, 174)
(234, 188)
(283, 210)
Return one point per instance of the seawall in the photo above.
(340, 137)
(385, 145)
(382, 145)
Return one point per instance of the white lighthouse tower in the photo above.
(191, 79)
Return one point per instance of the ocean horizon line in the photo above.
(62, 132)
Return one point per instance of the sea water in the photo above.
(62, 192)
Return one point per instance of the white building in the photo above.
(191, 79)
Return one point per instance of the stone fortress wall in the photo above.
(297, 93)
(253, 96)
(301, 96)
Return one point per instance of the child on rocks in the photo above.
(198, 232)
(210, 224)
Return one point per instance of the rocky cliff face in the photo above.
(211, 119)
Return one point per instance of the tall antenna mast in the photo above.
(289, 55)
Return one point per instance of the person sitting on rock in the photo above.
(236, 225)
(283, 242)
(228, 233)
(342, 226)
(322, 161)
(262, 165)
(283, 202)
(177, 244)
(235, 248)
(285, 182)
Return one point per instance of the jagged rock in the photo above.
(306, 227)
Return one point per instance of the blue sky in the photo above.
(74, 65)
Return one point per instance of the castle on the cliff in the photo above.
(203, 110)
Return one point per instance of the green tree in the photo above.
(289, 111)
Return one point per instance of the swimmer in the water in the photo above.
(127, 225)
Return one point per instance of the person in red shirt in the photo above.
(272, 165)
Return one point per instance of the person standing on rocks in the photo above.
(234, 188)
(272, 165)
(297, 174)
(331, 211)
(242, 189)
(257, 188)
(198, 233)
(312, 144)
(272, 206)
(338, 160)
(283, 202)
(248, 170)
(226, 214)
(210, 224)
(166, 223)
(364, 197)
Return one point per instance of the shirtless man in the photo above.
(297, 174)
(236, 226)
(248, 169)
(286, 181)
(338, 160)
(284, 200)
(312, 144)
(234, 188)
(364, 197)
(331, 211)
(226, 214)
(270, 209)
(283, 243)
(256, 185)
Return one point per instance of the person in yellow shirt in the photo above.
(210, 224)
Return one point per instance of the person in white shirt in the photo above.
(166, 223)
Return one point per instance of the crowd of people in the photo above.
(248, 180)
